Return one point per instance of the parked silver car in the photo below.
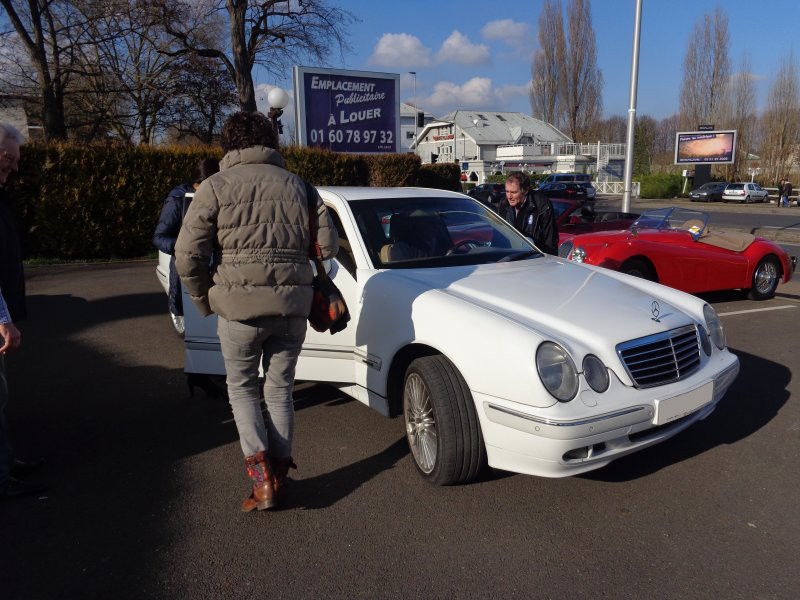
(744, 192)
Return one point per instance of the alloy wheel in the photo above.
(765, 277)
(420, 422)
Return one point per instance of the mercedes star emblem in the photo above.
(656, 310)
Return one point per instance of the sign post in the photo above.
(347, 111)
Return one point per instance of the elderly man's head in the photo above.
(10, 141)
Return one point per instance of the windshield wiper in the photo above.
(519, 256)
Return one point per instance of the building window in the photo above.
(409, 135)
(500, 117)
(482, 118)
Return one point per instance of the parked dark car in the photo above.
(569, 191)
(708, 192)
(491, 194)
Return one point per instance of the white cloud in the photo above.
(509, 90)
(508, 31)
(476, 93)
(458, 49)
(400, 50)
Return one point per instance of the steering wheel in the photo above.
(466, 244)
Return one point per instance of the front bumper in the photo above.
(528, 440)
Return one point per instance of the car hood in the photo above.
(561, 300)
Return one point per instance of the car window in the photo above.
(421, 232)
(559, 208)
(345, 253)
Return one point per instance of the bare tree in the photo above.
(706, 72)
(546, 86)
(48, 31)
(271, 33)
(610, 130)
(781, 121)
(206, 96)
(581, 79)
(645, 133)
(665, 137)
(743, 115)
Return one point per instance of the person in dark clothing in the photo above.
(12, 310)
(787, 193)
(530, 213)
(169, 225)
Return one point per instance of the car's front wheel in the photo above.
(766, 277)
(442, 426)
(639, 268)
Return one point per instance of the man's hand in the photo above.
(11, 337)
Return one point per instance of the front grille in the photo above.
(565, 248)
(661, 358)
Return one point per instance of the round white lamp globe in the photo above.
(277, 98)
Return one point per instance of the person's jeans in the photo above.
(275, 343)
(6, 454)
(784, 201)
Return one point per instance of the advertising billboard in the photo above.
(347, 111)
(705, 147)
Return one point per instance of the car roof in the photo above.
(371, 193)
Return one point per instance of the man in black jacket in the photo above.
(12, 309)
(530, 213)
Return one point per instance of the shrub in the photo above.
(660, 185)
(444, 176)
(103, 201)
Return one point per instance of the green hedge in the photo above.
(103, 201)
(660, 185)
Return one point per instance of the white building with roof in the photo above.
(486, 142)
(409, 127)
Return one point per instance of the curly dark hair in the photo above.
(523, 181)
(246, 129)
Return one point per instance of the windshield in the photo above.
(559, 208)
(681, 219)
(436, 232)
(710, 187)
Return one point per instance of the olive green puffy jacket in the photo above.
(252, 217)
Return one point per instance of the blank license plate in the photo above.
(676, 407)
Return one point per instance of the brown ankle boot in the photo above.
(280, 468)
(260, 471)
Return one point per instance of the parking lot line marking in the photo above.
(753, 310)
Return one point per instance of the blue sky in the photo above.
(467, 56)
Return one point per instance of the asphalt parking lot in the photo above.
(146, 480)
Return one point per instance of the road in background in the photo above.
(146, 481)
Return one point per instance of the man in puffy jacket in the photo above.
(530, 213)
(169, 224)
(253, 215)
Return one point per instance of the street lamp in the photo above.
(414, 73)
(277, 99)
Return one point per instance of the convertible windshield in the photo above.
(436, 232)
(682, 219)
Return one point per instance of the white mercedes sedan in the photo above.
(494, 353)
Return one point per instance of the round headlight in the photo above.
(557, 371)
(595, 373)
(704, 341)
(714, 327)
(578, 255)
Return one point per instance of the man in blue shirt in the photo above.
(12, 308)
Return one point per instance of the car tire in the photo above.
(639, 268)
(747, 199)
(766, 277)
(442, 426)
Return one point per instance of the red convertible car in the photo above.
(676, 247)
(574, 217)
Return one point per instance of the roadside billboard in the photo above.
(347, 111)
(705, 147)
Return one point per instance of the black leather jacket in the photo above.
(12, 276)
(535, 219)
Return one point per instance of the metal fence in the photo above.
(614, 188)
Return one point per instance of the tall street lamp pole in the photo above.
(626, 195)
(414, 73)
